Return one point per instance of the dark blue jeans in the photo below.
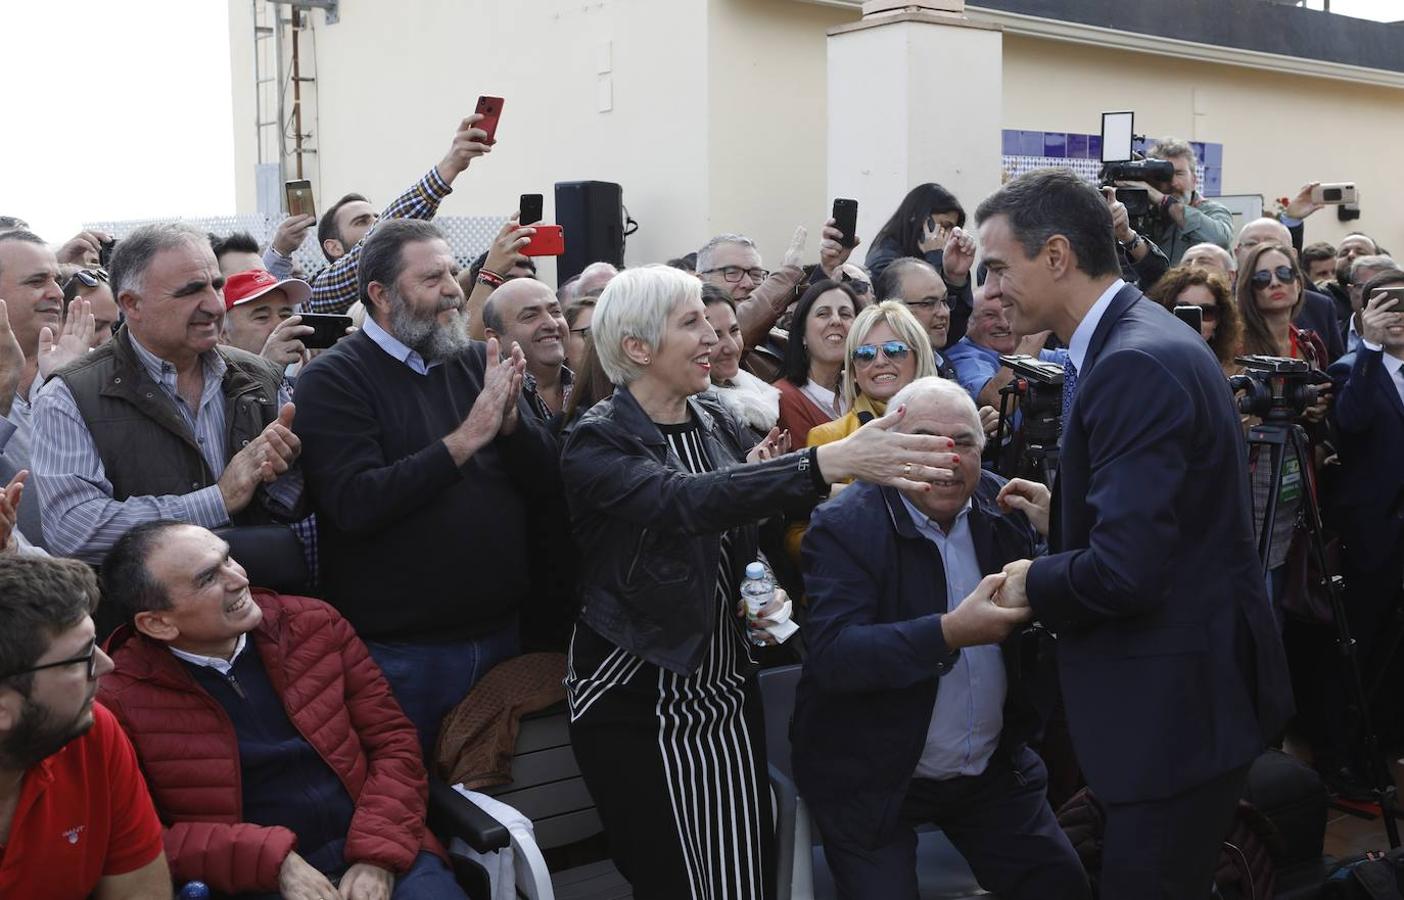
(429, 680)
(1000, 822)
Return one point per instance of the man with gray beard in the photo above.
(423, 463)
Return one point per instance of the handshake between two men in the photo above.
(1000, 603)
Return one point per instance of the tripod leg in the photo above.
(1379, 774)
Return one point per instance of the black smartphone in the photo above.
(530, 208)
(1191, 315)
(299, 197)
(846, 219)
(329, 330)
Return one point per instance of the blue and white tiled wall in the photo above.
(1027, 150)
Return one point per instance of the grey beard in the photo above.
(425, 335)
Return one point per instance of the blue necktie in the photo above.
(1069, 386)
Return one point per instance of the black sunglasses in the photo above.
(90, 658)
(88, 278)
(866, 354)
(1263, 277)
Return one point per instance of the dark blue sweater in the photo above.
(412, 546)
(285, 782)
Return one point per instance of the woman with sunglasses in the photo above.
(91, 284)
(809, 386)
(1270, 294)
(1220, 325)
(887, 350)
(665, 715)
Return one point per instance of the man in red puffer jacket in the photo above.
(276, 755)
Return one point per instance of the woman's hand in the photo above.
(776, 443)
(879, 454)
(758, 626)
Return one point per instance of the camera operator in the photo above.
(1181, 217)
(1142, 262)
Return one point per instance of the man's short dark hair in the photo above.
(22, 235)
(9, 222)
(712, 294)
(1317, 252)
(40, 598)
(238, 242)
(888, 285)
(1047, 202)
(381, 257)
(327, 229)
(126, 581)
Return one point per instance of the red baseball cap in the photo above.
(246, 286)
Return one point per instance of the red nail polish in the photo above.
(956, 461)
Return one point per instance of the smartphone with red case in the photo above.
(490, 108)
(549, 240)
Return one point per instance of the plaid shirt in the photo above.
(335, 288)
(533, 393)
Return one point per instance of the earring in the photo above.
(647, 360)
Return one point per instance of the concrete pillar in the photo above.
(915, 95)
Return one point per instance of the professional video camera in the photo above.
(1157, 172)
(1277, 389)
(1120, 162)
(1038, 386)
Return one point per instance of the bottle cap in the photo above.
(755, 570)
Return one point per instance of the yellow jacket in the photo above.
(827, 433)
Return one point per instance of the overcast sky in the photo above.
(120, 109)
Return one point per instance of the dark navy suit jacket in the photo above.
(1368, 493)
(1170, 663)
(877, 590)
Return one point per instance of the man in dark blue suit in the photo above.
(1367, 503)
(1171, 668)
(910, 709)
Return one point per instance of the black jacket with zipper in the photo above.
(649, 533)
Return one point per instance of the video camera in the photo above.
(1121, 163)
(1277, 389)
(1038, 385)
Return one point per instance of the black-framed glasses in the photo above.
(1285, 275)
(582, 332)
(927, 303)
(732, 274)
(866, 354)
(90, 658)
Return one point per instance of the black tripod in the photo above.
(1280, 437)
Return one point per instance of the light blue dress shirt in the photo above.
(1081, 340)
(392, 345)
(969, 713)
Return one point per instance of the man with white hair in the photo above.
(914, 669)
(1211, 256)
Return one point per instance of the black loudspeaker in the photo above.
(591, 213)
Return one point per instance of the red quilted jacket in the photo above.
(335, 696)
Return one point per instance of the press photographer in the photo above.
(1178, 217)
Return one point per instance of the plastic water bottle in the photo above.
(194, 890)
(757, 589)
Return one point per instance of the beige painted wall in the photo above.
(767, 72)
(395, 78)
(1278, 131)
(719, 120)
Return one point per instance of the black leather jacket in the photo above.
(649, 533)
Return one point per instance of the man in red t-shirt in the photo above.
(75, 817)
